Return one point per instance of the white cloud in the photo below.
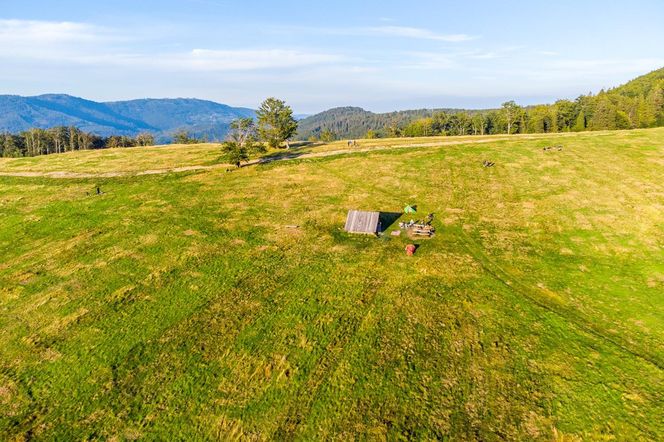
(212, 60)
(430, 60)
(553, 74)
(602, 66)
(386, 30)
(45, 32)
(45, 40)
(417, 33)
(222, 60)
(80, 43)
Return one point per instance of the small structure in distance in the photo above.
(359, 221)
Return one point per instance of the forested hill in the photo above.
(355, 122)
(636, 104)
(160, 117)
(200, 118)
(641, 86)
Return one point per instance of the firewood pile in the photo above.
(420, 228)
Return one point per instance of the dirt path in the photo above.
(63, 174)
(291, 155)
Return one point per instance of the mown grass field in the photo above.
(180, 306)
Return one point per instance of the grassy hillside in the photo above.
(132, 161)
(181, 306)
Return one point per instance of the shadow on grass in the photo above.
(277, 156)
(299, 144)
(293, 152)
(386, 219)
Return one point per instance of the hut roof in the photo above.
(359, 221)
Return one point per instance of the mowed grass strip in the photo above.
(181, 306)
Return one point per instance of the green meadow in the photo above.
(185, 306)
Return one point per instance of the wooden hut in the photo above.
(359, 221)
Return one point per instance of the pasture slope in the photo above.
(180, 306)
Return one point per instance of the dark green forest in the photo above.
(637, 104)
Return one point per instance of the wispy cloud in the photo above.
(429, 60)
(455, 58)
(383, 31)
(80, 43)
(558, 72)
(48, 40)
(610, 65)
(416, 33)
(47, 32)
(220, 60)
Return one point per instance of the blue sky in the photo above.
(380, 55)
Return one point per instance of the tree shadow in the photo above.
(278, 156)
(298, 144)
(296, 148)
(386, 219)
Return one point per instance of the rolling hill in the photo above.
(44, 111)
(354, 122)
(201, 118)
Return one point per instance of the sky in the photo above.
(380, 55)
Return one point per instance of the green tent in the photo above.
(409, 209)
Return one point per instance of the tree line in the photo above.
(604, 111)
(61, 139)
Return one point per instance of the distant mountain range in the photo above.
(162, 117)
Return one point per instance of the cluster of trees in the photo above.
(183, 137)
(60, 139)
(242, 141)
(274, 125)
